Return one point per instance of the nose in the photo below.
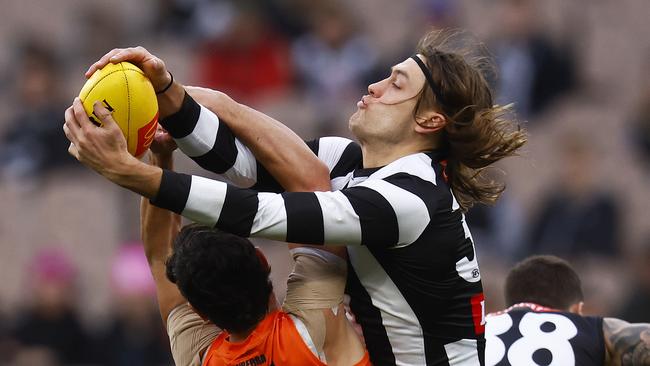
(374, 90)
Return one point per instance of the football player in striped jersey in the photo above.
(425, 135)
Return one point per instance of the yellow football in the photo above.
(128, 94)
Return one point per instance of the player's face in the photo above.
(386, 113)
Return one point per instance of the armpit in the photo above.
(316, 283)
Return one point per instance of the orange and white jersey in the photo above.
(275, 341)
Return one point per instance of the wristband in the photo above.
(168, 85)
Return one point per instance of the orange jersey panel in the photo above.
(275, 341)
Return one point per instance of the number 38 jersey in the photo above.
(529, 334)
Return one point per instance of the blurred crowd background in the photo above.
(75, 287)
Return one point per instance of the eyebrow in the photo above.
(399, 72)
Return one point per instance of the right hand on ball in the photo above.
(153, 67)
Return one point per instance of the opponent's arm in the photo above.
(189, 334)
(158, 229)
(626, 343)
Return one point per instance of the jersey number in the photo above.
(549, 333)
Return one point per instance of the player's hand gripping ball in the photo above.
(128, 94)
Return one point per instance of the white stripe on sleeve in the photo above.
(340, 223)
(270, 220)
(244, 172)
(202, 138)
(205, 200)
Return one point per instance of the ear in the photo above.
(577, 308)
(429, 122)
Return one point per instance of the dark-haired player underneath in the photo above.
(544, 324)
(214, 280)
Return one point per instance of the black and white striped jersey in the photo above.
(414, 281)
(530, 334)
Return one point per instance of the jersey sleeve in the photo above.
(204, 138)
(189, 335)
(377, 212)
(316, 284)
(201, 136)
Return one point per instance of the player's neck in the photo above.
(380, 154)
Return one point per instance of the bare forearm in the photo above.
(136, 176)
(283, 153)
(627, 344)
(158, 229)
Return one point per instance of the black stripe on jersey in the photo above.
(173, 191)
(223, 154)
(265, 181)
(429, 193)
(304, 218)
(313, 145)
(377, 343)
(376, 216)
(349, 160)
(238, 212)
(182, 123)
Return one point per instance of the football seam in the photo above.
(128, 94)
(97, 82)
(128, 106)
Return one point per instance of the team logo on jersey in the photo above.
(467, 266)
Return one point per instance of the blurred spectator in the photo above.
(194, 20)
(34, 142)
(577, 218)
(35, 356)
(332, 61)
(532, 70)
(499, 230)
(7, 344)
(641, 122)
(636, 308)
(49, 327)
(249, 59)
(440, 13)
(136, 335)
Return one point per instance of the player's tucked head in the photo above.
(221, 276)
(544, 280)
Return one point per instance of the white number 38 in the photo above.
(539, 331)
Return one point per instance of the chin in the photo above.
(354, 119)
